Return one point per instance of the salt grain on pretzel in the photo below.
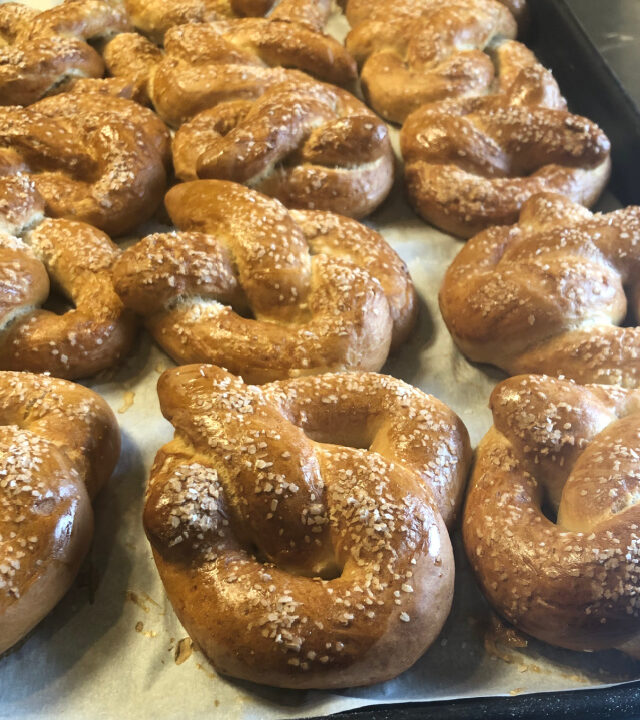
(557, 448)
(263, 292)
(59, 443)
(291, 557)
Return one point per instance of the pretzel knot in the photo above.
(311, 146)
(473, 163)
(211, 63)
(290, 558)
(157, 18)
(264, 292)
(44, 52)
(59, 443)
(77, 259)
(415, 54)
(93, 157)
(548, 294)
(575, 581)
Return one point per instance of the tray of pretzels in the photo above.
(319, 362)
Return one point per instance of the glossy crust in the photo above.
(472, 163)
(209, 63)
(265, 292)
(59, 443)
(46, 52)
(93, 157)
(573, 582)
(243, 480)
(412, 53)
(548, 295)
(310, 145)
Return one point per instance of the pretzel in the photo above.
(310, 146)
(548, 294)
(573, 581)
(59, 443)
(77, 258)
(291, 557)
(213, 62)
(154, 19)
(265, 292)
(420, 52)
(472, 163)
(93, 157)
(45, 52)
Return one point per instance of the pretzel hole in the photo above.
(57, 303)
(549, 511)
(329, 570)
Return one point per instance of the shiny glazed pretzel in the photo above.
(59, 443)
(45, 52)
(265, 292)
(420, 52)
(472, 163)
(209, 63)
(291, 557)
(77, 259)
(548, 295)
(93, 157)
(309, 145)
(575, 581)
(156, 18)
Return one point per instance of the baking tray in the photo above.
(593, 49)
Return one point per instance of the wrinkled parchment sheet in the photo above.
(113, 648)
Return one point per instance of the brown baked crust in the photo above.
(472, 163)
(242, 480)
(93, 157)
(59, 443)
(548, 295)
(45, 52)
(309, 145)
(210, 63)
(264, 292)
(573, 582)
(412, 53)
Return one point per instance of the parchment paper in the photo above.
(113, 647)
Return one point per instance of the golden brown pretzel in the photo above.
(420, 52)
(547, 295)
(472, 163)
(291, 558)
(77, 259)
(265, 292)
(209, 63)
(310, 146)
(59, 443)
(45, 52)
(93, 157)
(572, 582)
(155, 18)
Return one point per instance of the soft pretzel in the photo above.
(573, 581)
(548, 295)
(59, 443)
(472, 163)
(265, 292)
(93, 157)
(154, 19)
(77, 259)
(44, 52)
(420, 52)
(310, 146)
(208, 63)
(291, 557)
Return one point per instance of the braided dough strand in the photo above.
(246, 515)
